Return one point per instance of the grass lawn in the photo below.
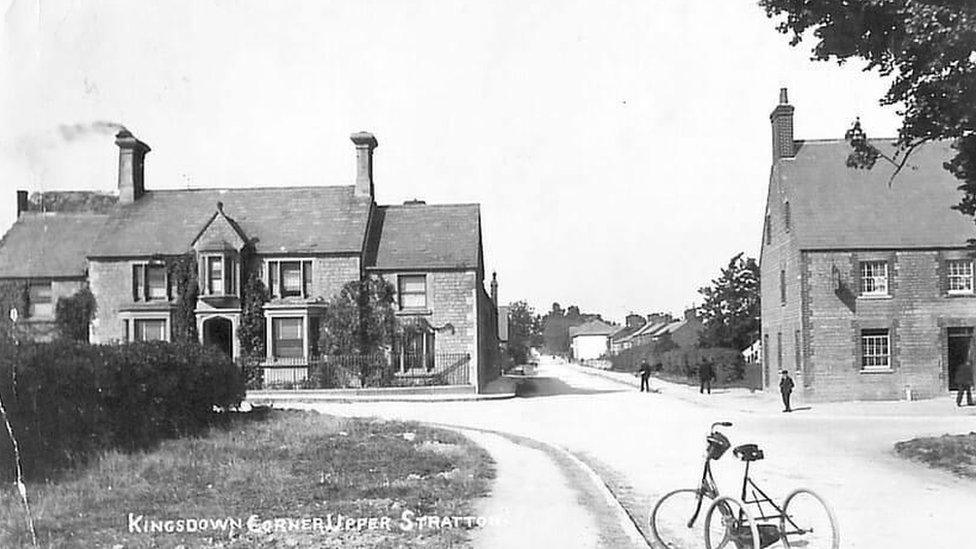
(306, 467)
(954, 453)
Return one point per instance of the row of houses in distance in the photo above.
(597, 339)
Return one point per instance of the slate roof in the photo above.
(625, 332)
(836, 207)
(277, 219)
(43, 245)
(425, 236)
(593, 327)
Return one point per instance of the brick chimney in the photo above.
(634, 321)
(22, 203)
(781, 120)
(365, 143)
(132, 157)
(494, 288)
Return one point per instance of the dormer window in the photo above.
(219, 274)
(290, 278)
(149, 282)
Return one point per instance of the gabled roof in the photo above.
(836, 207)
(42, 245)
(422, 236)
(221, 233)
(593, 327)
(287, 220)
(626, 331)
(650, 329)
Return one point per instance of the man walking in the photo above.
(706, 373)
(786, 389)
(645, 374)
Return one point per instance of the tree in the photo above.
(251, 332)
(927, 46)
(731, 310)
(524, 331)
(74, 314)
(359, 319)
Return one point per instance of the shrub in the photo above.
(74, 314)
(72, 400)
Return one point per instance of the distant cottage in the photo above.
(867, 288)
(305, 243)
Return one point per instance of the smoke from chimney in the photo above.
(72, 132)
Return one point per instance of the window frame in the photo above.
(131, 319)
(275, 329)
(273, 275)
(141, 289)
(401, 278)
(33, 299)
(882, 340)
(863, 278)
(229, 274)
(950, 276)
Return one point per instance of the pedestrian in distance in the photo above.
(786, 389)
(963, 379)
(645, 373)
(706, 374)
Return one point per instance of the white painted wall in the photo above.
(586, 347)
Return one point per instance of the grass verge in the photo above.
(305, 467)
(953, 453)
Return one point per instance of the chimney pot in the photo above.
(132, 155)
(365, 143)
(783, 100)
(22, 202)
(494, 288)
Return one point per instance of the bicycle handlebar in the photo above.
(721, 424)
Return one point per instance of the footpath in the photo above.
(764, 402)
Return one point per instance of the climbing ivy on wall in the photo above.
(74, 314)
(251, 331)
(14, 294)
(183, 279)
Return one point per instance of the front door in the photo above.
(959, 341)
(219, 333)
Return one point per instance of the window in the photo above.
(412, 291)
(875, 350)
(149, 282)
(782, 287)
(149, 329)
(219, 274)
(291, 278)
(874, 278)
(286, 335)
(39, 294)
(959, 274)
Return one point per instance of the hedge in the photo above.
(728, 363)
(67, 401)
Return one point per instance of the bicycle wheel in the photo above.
(808, 521)
(733, 522)
(676, 518)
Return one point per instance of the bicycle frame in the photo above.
(759, 497)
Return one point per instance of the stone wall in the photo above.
(917, 315)
(780, 264)
(111, 283)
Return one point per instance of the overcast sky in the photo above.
(619, 150)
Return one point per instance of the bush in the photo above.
(668, 358)
(74, 314)
(72, 400)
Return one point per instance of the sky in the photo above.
(620, 150)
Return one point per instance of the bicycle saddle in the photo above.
(748, 452)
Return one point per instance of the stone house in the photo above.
(866, 282)
(304, 243)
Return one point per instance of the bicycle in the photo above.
(728, 519)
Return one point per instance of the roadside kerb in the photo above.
(566, 460)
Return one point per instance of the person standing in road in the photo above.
(706, 373)
(645, 374)
(786, 389)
